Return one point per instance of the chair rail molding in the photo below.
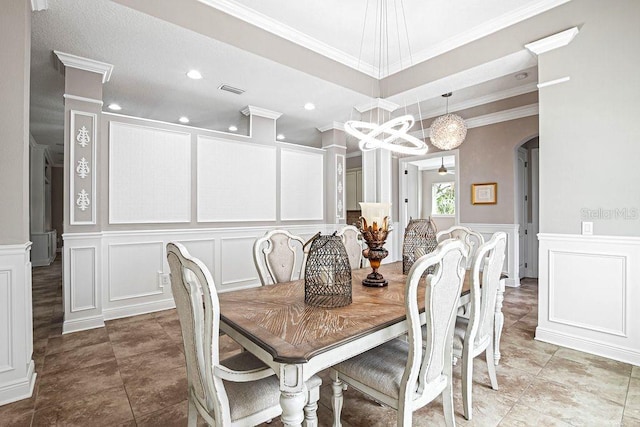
(17, 370)
(513, 248)
(590, 267)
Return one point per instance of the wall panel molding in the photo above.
(589, 298)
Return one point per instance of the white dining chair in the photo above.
(275, 255)
(471, 239)
(475, 334)
(353, 243)
(399, 373)
(238, 391)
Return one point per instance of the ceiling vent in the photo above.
(231, 89)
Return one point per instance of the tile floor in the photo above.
(132, 373)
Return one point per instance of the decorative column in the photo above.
(334, 142)
(82, 203)
(17, 374)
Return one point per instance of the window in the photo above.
(443, 198)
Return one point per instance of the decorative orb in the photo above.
(448, 131)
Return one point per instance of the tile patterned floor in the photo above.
(132, 373)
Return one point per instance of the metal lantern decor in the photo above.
(419, 239)
(327, 273)
(374, 228)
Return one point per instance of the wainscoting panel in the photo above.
(589, 294)
(134, 270)
(237, 267)
(512, 256)
(204, 250)
(6, 320)
(301, 185)
(83, 280)
(17, 373)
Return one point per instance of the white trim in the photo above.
(580, 238)
(600, 348)
(357, 153)
(382, 104)
(74, 61)
(72, 166)
(19, 249)
(192, 128)
(37, 6)
(19, 389)
(83, 99)
(138, 309)
(555, 41)
(340, 174)
(332, 125)
(280, 29)
(482, 100)
(342, 147)
(82, 324)
(554, 82)
(261, 112)
(491, 118)
(94, 303)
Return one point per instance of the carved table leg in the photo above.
(336, 403)
(293, 395)
(498, 322)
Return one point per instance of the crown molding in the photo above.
(482, 100)
(83, 99)
(554, 82)
(353, 154)
(38, 5)
(250, 110)
(382, 104)
(280, 29)
(553, 42)
(489, 119)
(86, 64)
(332, 125)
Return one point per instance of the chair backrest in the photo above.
(275, 256)
(489, 260)
(352, 239)
(199, 312)
(471, 239)
(442, 293)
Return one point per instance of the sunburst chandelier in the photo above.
(448, 131)
(393, 134)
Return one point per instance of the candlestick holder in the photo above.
(375, 236)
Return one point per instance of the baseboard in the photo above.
(138, 309)
(598, 348)
(19, 390)
(76, 325)
(512, 283)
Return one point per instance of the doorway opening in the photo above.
(526, 207)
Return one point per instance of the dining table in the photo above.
(298, 340)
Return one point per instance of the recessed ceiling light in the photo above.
(194, 74)
(183, 119)
(232, 128)
(309, 106)
(280, 137)
(522, 76)
(114, 107)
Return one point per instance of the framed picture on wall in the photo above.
(484, 194)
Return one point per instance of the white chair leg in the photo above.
(336, 402)
(311, 408)
(467, 383)
(192, 414)
(491, 367)
(447, 400)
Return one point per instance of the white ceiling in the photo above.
(151, 56)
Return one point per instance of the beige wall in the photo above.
(589, 127)
(488, 155)
(15, 48)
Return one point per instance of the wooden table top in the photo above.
(276, 318)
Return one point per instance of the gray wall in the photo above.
(15, 49)
(589, 127)
(488, 155)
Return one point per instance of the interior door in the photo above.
(522, 209)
